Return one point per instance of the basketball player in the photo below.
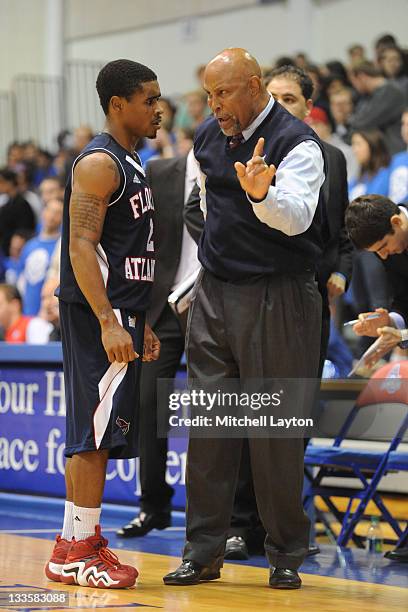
(107, 270)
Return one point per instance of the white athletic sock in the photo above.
(68, 526)
(85, 520)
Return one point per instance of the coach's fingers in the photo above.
(259, 147)
(240, 169)
(156, 350)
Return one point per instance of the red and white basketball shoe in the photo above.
(90, 563)
(59, 554)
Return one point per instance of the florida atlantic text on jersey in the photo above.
(125, 252)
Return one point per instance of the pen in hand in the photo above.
(367, 318)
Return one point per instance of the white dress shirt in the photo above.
(188, 258)
(290, 205)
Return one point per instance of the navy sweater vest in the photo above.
(235, 245)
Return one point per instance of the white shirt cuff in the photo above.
(398, 320)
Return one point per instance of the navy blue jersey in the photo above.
(125, 252)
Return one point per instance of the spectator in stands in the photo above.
(341, 109)
(13, 323)
(284, 60)
(386, 40)
(54, 268)
(319, 121)
(15, 213)
(356, 55)
(184, 142)
(197, 108)
(44, 167)
(46, 326)
(36, 255)
(335, 68)
(12, 263)
(334, 83)
(393, 65)
(373, 157)
(199, 75)
(51, 189)
(82, 136)
(381, 107)
(24, 178)
(319, 95)
(301, 60)
(15, 157)
(164, 145)
(30, 152)
(398, 191)
(193, 111)
(168, 115)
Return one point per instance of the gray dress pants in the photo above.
(265, 328)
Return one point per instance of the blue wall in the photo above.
(32, 431)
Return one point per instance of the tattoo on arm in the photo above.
(114, 168)
(86, 212)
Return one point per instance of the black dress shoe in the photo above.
(398, 554)
(281, 578)
(190, 572)
(313, 550)
(236, 548)
(144, 523)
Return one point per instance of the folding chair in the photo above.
(398, 462)
(387, 389)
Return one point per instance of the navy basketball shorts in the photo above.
(102, 398)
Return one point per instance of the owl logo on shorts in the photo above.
(124, 425)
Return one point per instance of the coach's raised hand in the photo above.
(256, 176)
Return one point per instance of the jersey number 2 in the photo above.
(150, 243)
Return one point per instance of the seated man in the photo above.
(378, 225)
(14, 324)
(46, 326)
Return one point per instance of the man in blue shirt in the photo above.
(36, 255)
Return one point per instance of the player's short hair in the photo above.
(121, 78)
(368, 219)
(296, 74)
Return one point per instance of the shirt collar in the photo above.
(247, 133)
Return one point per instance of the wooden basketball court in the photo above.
(241, 587)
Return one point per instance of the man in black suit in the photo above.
(380, 226)
(171, 181)
(293, 89)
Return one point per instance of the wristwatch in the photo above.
(404, 339)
